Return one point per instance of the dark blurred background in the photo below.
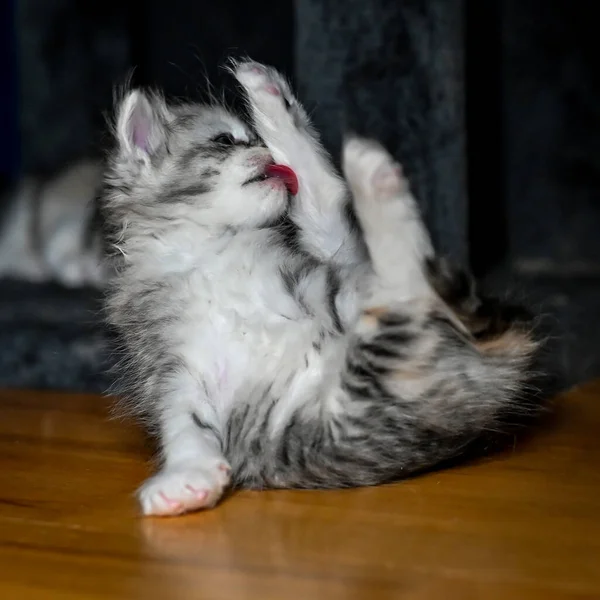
(491, 106)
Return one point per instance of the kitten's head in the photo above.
(190, 162)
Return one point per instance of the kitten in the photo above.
(49, 232)
(268, 340)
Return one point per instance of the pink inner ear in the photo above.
(140, 125)
(140, 136)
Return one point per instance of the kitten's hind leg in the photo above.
(394, 232)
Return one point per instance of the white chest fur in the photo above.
(238, 328)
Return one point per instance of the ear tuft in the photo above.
(141, 124)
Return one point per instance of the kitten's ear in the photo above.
(141, 124)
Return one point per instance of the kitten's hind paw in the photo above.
(175, 491)
(368, 167)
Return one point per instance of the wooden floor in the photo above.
(525, 524)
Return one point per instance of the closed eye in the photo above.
(224, 139)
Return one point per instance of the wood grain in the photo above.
(524, 524)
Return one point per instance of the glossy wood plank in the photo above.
(524, 524)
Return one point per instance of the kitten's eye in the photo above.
(225, 139)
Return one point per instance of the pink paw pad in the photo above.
(389, 178)
(273, 90)
(172, 503)
(200, 494)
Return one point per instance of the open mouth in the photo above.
(282, 172)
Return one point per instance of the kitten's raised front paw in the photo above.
(260, 80)
(175, 491)
(370, 168)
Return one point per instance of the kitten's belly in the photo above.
(237, 356)
(245, 337)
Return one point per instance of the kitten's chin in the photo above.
(275, 207)
(261, 202)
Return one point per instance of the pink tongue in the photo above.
(286, 175)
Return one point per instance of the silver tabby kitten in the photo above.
(268, 340)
